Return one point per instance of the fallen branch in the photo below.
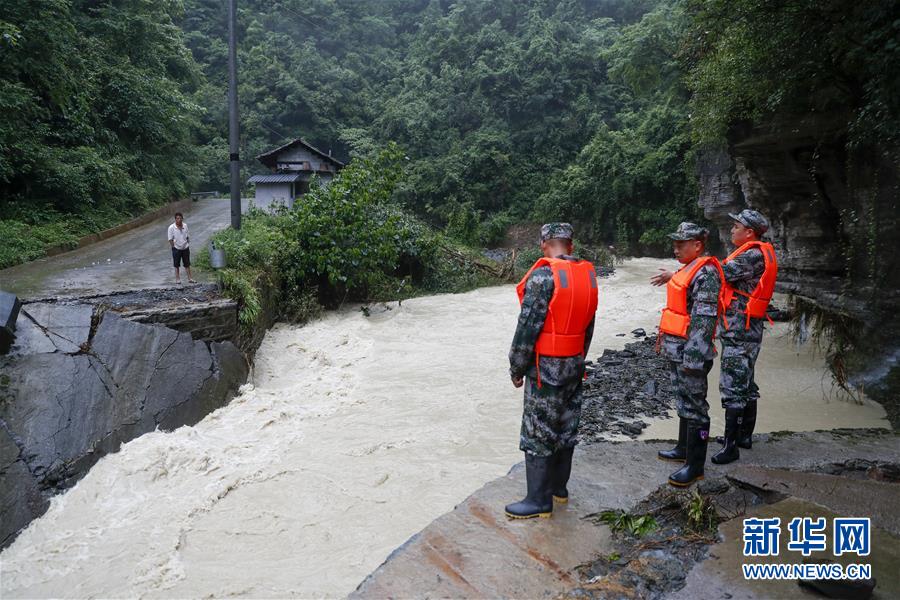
(502, 271)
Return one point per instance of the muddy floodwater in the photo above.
(354, 434)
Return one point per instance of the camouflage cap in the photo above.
(552, 231)
(752, 219)
(689, 231)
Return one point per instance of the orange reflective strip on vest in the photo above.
(676, 319)
(758, 299)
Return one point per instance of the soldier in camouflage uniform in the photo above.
(552, 407)
(691, 358)
(742, 338)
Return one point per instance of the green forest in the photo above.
(504, 111)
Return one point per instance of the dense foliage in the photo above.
(96, 116)
(759, 60)
(507, 110)
(632, 182)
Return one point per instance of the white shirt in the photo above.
(180, 236)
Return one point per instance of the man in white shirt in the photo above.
(180, 242)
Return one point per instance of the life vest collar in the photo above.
(676, 318)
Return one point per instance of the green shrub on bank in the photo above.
(344, 242)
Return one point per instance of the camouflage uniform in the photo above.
(740, 344)
(691, 359)
(552, 412)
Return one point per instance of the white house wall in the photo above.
(268, 194)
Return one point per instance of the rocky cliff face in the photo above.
(835, 228)
(82, 379)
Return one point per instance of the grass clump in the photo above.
(29, 230)
(621, 521)
(701, 513)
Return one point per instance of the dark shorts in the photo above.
(179, 256)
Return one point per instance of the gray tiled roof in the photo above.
(276, 178)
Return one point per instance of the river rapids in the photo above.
(354, 433)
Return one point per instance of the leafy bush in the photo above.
(344, 235)
(346, 241)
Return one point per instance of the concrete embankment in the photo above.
(475, 552)
(87, 374)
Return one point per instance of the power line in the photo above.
(278, 133)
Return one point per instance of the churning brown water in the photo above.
(355, 433)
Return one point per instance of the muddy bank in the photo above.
(656, 542)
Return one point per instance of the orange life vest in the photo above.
(571, 308)
(757, 300)
(676, 319)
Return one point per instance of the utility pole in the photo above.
(233, 134)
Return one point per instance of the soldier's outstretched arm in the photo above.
(661, 278)
(538, 293)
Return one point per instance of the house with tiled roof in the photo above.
(293, 166)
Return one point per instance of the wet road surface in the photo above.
(136, 259)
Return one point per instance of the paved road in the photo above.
(137, 259)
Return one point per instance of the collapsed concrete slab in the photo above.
(80, 381)
(49, 327)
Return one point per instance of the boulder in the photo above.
(70, 394)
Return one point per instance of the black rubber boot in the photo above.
(678, 453)
(745, 439)
(697, 437)
(561, 471)
(729, 452)
(538, 501)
